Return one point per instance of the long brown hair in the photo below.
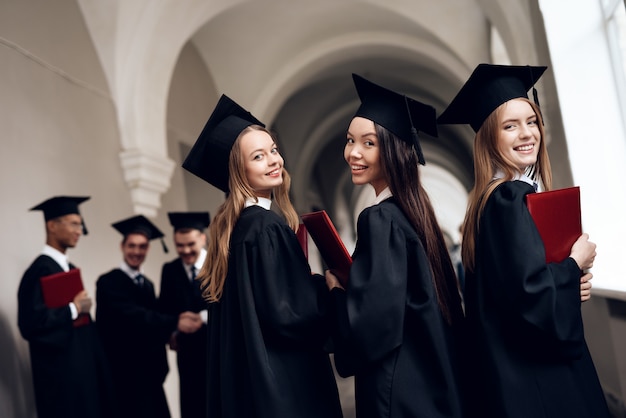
(215, 268)
(487, 162)
(400, 166)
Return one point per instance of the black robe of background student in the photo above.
(525, 323)
(178, 294)
(134, 334)
(267, 332)
(391, 334)
(70, 372)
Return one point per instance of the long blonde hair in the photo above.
(487, 162)
(213, 273)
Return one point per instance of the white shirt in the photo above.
(385, 194)
(198, 264)
(265, 203)
(58, 256)
(130, 272)
(204, 314)
(521, 177)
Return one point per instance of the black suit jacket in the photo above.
(134, 333)
(179, 294)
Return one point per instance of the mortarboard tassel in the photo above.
(535, 96)
(164, 246)
(418, 147)
(536, 100)
(416, 141)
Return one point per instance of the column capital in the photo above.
(147, 177)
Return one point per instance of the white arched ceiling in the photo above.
(513, 21)
(323, 57)
(263, 50)
(138, 43)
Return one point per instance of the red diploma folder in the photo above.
(59, 290)
(303, 239)
(329, 244)
(557, 216)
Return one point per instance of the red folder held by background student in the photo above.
(329, 244)
(557, 216)
(59, 290)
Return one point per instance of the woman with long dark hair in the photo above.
(399, 318)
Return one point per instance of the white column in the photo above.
(594, 128)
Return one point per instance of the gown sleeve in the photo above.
(370, 315)
(37, 322)
(169, 300)
(544, 298)
(291, 303)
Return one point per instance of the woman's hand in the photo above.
(331, 280)
(585, 287)
(583, 252)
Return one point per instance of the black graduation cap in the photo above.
(396, 112)
(139, 224)
(195, 220)
(487, 88)
(61, 205)
(208, 158)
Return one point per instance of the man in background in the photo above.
(133, 330)
(70, 374)
(180, 292)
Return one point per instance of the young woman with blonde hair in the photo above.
(268, 313)
(526, 341)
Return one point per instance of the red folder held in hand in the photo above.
(59, 290)
(329, 244)
(303, 239)
(557, 216)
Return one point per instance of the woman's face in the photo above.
(518, 133)
(262, 162)
(362, 153)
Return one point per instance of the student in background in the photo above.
(526, 344)
(133, 330)
(399, 321)
(268, 315)
(180, 292)
(70, 373)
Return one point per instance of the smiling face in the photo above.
(262, 162)
(134, 249)
(362, 153)
(189, 244)
(518, 134)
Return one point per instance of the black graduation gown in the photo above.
(179, 294)
(134, 334)
(525, 323)
(70, 372)
(391, 334)
(268, 329)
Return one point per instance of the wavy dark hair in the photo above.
(400, 167)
